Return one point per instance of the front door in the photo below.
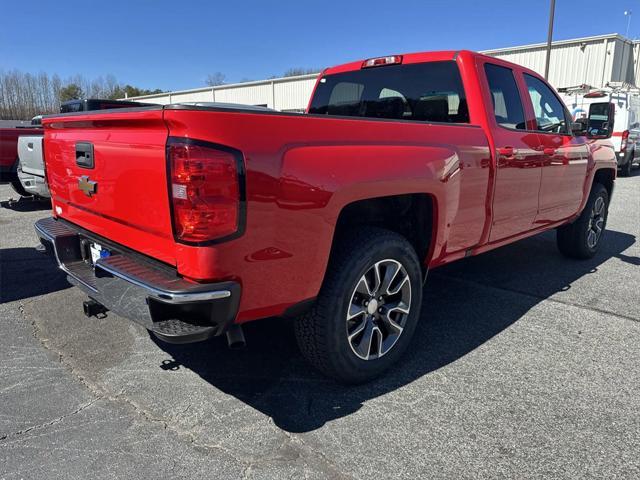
(564, 157)
(518, 157)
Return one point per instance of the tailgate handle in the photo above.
(84, 154)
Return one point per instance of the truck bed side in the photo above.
(301, 172)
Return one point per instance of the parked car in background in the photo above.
(9, 154)
(194, 219)
(30, 170)
(626, 124)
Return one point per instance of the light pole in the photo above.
(552, 10)
(627, 13)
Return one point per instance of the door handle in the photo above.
(84, 154)
(549, 151)
(506, 152)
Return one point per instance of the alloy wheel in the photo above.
(596, 223)
(378, 309)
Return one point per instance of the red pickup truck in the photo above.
(192, 219)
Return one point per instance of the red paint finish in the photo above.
(485, 182)
(9, 144)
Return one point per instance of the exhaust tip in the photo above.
(235, 337)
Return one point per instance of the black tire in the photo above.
(322, 332)
(625, 170)
(18, 188)
(574, 239)
(15, 181)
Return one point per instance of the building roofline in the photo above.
(607, 36)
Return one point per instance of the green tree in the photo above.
(131, 91)
(71, 91)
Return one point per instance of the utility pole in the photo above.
(552, 11)
(627, 13)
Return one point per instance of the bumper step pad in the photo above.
(177, 331)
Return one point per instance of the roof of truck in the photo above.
(407, 58)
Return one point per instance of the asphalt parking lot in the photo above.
(525, 365)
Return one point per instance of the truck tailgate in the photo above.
(107, 173)
(30, 154)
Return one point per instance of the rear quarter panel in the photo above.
(302, 170)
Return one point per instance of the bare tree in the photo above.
(24, 95)
(216, 78)
(295, 71)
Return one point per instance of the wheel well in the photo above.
(409, 215)
(605, 177)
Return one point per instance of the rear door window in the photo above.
(426, 92)
(507, 104)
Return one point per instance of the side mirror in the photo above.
(579, 127)
(600, 120)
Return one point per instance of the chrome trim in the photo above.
(165, 295)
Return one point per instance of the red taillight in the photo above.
(380, 61)
(623, 143)
(205, 191)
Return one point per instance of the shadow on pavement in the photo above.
(27, 204)
(26, 273)
(270, 375)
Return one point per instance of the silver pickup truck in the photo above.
(31, 159)
(31, 166)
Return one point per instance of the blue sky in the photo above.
(174, 45)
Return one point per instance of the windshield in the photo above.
(428, 92)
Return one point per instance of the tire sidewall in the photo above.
(344, 358)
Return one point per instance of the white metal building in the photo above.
(595, 61)
(288, 94)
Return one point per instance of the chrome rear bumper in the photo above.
(141, 289)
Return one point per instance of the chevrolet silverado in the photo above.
(192, 219)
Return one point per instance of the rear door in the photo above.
(564, 156)
(515, 199)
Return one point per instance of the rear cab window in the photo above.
(424, 92)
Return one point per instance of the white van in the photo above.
(626, 127)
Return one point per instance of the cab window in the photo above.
(424, 92)
(549, 111)
(507, 106)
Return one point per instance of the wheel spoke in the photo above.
(598, 207)
(355, 310)
(378, 279)
(361, 326)
(390, 272)
(391, 323)
(363, 287)
(363, 347)
(398, 306)
(591, 239)
(378, 339)
(400, 285)
(599, 223)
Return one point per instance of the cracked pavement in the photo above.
(525, 365)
